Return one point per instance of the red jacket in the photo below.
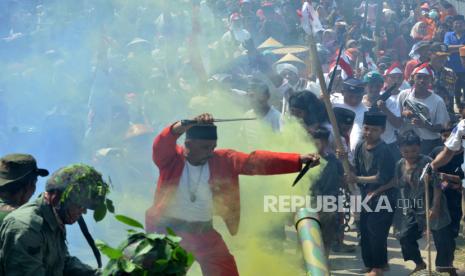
(225, 167)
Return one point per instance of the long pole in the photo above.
(364, 30)
(326, 99)
(428, 237)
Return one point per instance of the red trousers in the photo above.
(211, 252)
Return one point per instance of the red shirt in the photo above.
(225, 167)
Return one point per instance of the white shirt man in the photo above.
(272, 118)
(193, 200)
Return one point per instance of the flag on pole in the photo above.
(310, 20)
(344, 66)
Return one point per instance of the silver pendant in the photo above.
(193, 198)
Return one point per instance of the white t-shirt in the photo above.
(356, 133)
(436, 108)
(272, 118)
(194, 181)
(389, 135)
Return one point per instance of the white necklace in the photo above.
(194, 188)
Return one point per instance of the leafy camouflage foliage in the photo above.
(146, 253)
(83, 185)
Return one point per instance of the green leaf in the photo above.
(170, 231)
(174, 239)
(143, 248)
(127, 265)
(129, 221)
(190, 259)
(110, 252)
(155, 236)
(131, 231)
(110, 206)
(168, 251)
(100, 212)
(179, 254)
(160, 265)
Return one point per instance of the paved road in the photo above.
(350, 263)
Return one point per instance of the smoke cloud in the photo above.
(95, 81)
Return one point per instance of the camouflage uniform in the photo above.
(5, 209)
(33, 237)
(33, 242)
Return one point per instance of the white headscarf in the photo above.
(286, 66)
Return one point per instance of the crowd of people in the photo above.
(398, 96)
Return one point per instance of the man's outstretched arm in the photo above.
(442, 158)
(268, 163)
(451, 146)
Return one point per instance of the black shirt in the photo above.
(330, 178)
(376, 161)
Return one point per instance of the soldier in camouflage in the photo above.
(33, 237)
(18, 178)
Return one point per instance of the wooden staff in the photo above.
(326, 99)
(428, 228)
(425, 176)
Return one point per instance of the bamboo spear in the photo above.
(326, 99)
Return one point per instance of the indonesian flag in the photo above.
(393, 69)
(310, 20)
(423, 69)
(344, 66)
(370, 63)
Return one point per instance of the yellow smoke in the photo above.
(258, 247)
(74, 37)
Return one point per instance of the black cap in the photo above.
(344, 115)
(353, 85)
(374, 118)
(202, 132)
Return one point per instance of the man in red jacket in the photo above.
(196, 182)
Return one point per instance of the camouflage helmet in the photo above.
(80, 184)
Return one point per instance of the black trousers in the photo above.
(454, 204)
(445, 246)
(374, 231)
(409, 242)
(444, 239)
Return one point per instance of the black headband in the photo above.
(202, 132)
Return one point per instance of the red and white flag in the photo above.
(344, 66)
(310, 20)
